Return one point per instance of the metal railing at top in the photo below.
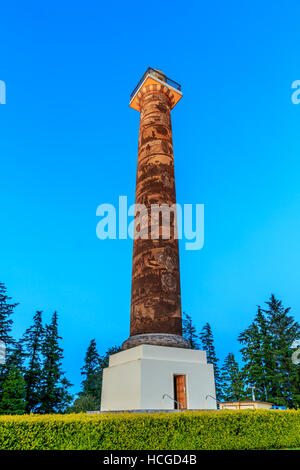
(167, 80)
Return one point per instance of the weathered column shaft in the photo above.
(155, 296)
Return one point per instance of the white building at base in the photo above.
(150, 377)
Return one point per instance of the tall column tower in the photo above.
(156, 369)
(155, 295)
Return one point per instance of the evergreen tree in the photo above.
(189, 331)
(91, 372)
(259, 366)
(231, 380)
(33, 342)
(13, 393)
(6, 310)
(207, 344)
(284, 331)
(54, 386)
(267, 355)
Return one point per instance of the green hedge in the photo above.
(189, 430)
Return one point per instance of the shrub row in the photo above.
(261, 429)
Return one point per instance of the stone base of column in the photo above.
(156, 339)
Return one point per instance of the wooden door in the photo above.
(180, 391)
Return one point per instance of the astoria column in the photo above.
(155, 293)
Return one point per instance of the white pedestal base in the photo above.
(137, 379)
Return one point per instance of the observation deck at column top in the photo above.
(152, 77)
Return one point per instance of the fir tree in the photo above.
(54, 386)
(13, 393)
(207, 343)
(231, 380)
(259, 365)
(6, 310)
(267, 350)
(33, 342)
(284, 330)
(189, 331)
(91, 372)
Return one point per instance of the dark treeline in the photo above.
(33, 380)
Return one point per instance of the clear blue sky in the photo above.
(68, 142)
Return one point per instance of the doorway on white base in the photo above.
(180, 402)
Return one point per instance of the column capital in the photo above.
(155, 81)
